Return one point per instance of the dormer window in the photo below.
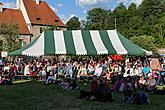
(56, 21)
(38, 19)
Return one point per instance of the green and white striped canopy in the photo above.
(80, 42)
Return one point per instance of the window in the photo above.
(41, 29)
(56, 21)
(38, 19)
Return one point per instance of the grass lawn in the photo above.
(34, 96)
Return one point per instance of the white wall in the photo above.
(26, 38)
(1, 8)
(25, 15)
(17, 4)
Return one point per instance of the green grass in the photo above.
(35, 96)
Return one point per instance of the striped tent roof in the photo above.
(80, 42)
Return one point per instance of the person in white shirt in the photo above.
(98, 70)
(90, 69)
(27, 69)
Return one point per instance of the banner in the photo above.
(4, 54)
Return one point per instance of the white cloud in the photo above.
(138, 2)
(88, 4)
(106, 4)
(9, 4)
(125, 2)
(128, 2)
(60, 5)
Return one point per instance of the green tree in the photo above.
(150, 7)
(146, 42)
(51, 28)
(74, 23)
(120, 13)
(150, 11)
(147, 20)
(132, 9)
(10, 33)
(97, 19)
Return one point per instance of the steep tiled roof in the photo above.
(15, 17)
(41, 14)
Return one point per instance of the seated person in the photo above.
(117, 85)
(51, 79)
(161, 78)
(123, 84)
(103, 93)
(140, 98)
(99, 91)
(93, 89)
(5, 81)
(127, 94)
(42, 72)
(73, 85)
(151, 83)
(142, 82)
(64, 85)
(146, 69)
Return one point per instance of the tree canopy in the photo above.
(74, 23)
(145, 22)
(9, 33)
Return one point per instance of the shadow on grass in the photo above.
(32, 95)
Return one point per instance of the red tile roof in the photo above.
(41, 14)
(15, 17)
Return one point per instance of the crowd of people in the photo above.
(106, 75)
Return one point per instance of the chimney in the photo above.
(1, 7)
(38, 1)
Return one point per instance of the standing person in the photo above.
(108, 74)
(137, 71)
(43, 75)
(70, 71)
(154, 64)
(27, 70)
(98, 70)
(105, 67)
(48, 69)
(90, 69)
(82, 72)
(20, 69)
(117, 69)
(6, 69)
(155, 67)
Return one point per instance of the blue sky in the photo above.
(66, 9)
